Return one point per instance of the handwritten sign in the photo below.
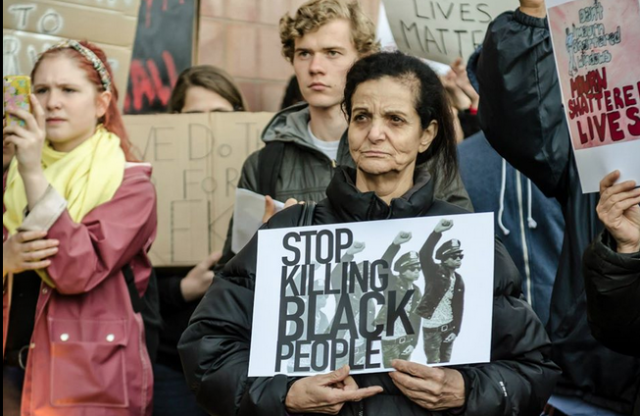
(596, 49)
(442, 30)
(368, 293)
(31, 27)
(197, 160)
(160, 55)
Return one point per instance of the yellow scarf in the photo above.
(86, 177)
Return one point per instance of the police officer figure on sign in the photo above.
(443, 302)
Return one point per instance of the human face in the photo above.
(8, 151)
(71, 102)
(411, 274)
(202, 100)
(321, 61)
(385, 132)
(454, 262)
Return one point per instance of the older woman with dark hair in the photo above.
(398, 119)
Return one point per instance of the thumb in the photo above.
(337, 376)
(212, 260)
(269, 209)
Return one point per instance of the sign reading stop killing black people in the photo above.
(595, 44)
(367, 293)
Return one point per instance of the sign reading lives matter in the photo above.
(365, 294)
(596, 49)
(442, 30)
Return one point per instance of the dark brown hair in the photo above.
(209, 77)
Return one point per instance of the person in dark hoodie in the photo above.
(522, 116)
(529, 223)
(307, 142)
(399, 118)
(612, 269)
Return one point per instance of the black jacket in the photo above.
(522, 116)
(613, 292)
(215, 347)
(437, 283)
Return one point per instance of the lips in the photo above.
(318, 86)
(54, 120)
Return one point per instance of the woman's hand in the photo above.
(199, 279)
(270, 208)
(619, 211)
(434, 389)
(27, 251)
(28, 140)
(326, 394)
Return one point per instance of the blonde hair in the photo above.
(314, 14)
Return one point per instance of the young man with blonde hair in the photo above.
(305, 143)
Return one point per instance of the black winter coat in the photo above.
(613, 290)
(215, 347)
(522, 116)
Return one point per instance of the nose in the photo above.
(53, 100)
(377, 132)
(317, 64)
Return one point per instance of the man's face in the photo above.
(321, 62)
(411, 274)
(454, 262)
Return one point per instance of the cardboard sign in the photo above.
(197, 160)
(596, 51)
(31, 27)
(442, 30)
(367, 293)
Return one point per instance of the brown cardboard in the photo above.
(197, 160)
(29, 28)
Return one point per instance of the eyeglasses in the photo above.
(457, 257)
(413, 269)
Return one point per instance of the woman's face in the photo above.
(385, 133)
(71, 102)
(202, 100)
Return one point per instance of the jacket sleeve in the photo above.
(612, 283)
(520, 377)
(429, 266)
(520, 101)
(215, 347)
(107, 239)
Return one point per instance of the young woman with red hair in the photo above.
(78, 211)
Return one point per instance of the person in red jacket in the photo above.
(77, 212)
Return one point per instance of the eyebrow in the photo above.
(61, 84)
(325, 49)
(214, 110)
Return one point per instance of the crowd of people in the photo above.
(90, 328)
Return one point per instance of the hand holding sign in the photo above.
(619, 211)
(326, 394)
(434, 389)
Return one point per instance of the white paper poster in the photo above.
(247, 217)
(367, 293)
(597, 50)
(442, 30)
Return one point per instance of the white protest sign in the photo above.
(442, 30)
(596, 50)
(367, 293)
(247, 217)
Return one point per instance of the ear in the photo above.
(103, 100)
(428, 135)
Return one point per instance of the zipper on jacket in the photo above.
(361, 409)
(525, 247)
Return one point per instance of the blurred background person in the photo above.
(201, 89)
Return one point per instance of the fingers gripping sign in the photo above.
(619, 211)
(326, 394)
(435, 389)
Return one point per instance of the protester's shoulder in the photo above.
(137, 178)
(440, 208)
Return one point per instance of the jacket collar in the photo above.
(352, 205)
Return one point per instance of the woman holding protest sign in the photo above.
(399, 118)
(80, 216)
